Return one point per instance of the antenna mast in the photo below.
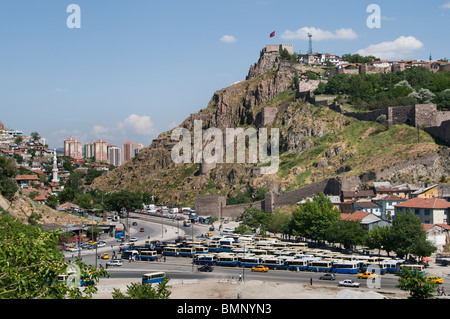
(310, 43)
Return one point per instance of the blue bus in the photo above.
(225, 259)
(294, 264)
(153, 278)
(250, 261)
(346, 267)
(171, 251)
(208, 259)
(320, 265)
(147, 255)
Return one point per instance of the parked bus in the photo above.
(252, 261)
(153, 278)
(366, 266)
(225, 259)
(147, 255)
(226, 248)
(213, 246)
(171, 251)
(413, 268)
(320, 265)
(294, 264)
(200, 249)
(392, 266)
(346, 267)
(187, 251)
(298, 245)
(208, 259)
(272, 262)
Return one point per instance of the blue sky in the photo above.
(138, 68)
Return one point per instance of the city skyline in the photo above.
(133, 71)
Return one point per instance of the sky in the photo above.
(129, 70)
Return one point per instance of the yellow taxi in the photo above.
(260, 268)
(105, 256)
(435, 280)
(367, 274)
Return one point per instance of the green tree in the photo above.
(346, 232)
(143, 291)
(123, 200)
(407, 230)
(8, 173)
(35, 136)
(417, 284)
(256, 218)
(313, 218)
(30, 262)
(380, 238)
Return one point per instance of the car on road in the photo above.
(328, 277)
(435, 280)
(348, 283)
(133, 239)
(206, 268)
(260, 268)
(105, 256)
(367, 275)
(115, 262)
(141, 229)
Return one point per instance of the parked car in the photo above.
(328, 277)
(141, 229)
(260, 268)
(348, 283)
(206, 268)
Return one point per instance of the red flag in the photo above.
(272, 34)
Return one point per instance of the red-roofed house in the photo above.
(366, 220)
(428, 210)
(27, 181)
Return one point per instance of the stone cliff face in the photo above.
(310, 142)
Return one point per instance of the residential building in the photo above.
(387, 204)
(89, 151)
(114, 156)
(73, 148)
(427, 192)
(101, 151)
(128, 151)
(368, 207)
(27, 181)
(428, 210)
(357, 195)
(438, 234)
(366, 220)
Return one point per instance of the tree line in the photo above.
(414, 85)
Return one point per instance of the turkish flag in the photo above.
(272, 34)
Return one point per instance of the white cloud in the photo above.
(60, 90)
(319, 34)
(228, 39)
(446, 5)
(141, 125)
(402, 47)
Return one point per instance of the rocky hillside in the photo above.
(315, 143)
